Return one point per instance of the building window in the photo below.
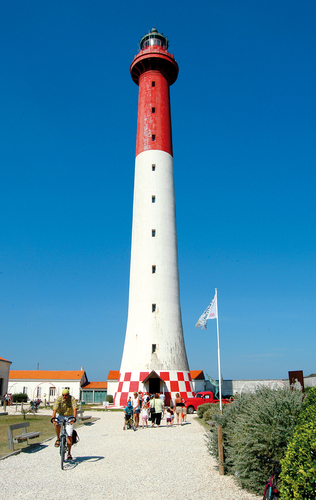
(153, 110)
(38, 392)
(52, 391)
(153, 307)
(153, 269)
(153, 232)
(153, 137)
(153, 348)
(153, 199)
(24, 390)
(153, 167)
(152, 84)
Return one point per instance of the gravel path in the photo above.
(109, 463)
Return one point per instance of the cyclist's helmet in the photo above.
(129, 403)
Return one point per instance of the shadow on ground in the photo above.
(33, 448)
(78, 460)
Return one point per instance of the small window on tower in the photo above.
(153, 167)
(153, 348)
(153, 269)
(153, 199)
(153, 232)
(153, 307)
(152, 84)
(153, 137)
(153, 110)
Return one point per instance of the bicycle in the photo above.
(63, 446)
(130, 424)
(271, 491)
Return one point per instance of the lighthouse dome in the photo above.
(154, 38)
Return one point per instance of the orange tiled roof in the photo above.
(113, 374)
(46, 375)
(96, 385)
(2, 359)
(197, 374)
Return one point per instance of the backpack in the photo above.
(75, 437)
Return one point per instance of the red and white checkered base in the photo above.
(170, 382)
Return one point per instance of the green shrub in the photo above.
(213, 410)
(109, 398)
(202, 408)
(299, 465)
(255, 424)
(19, 398)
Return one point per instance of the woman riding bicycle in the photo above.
(65, 406)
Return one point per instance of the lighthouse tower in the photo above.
(154, 357)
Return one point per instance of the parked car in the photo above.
(200, 399)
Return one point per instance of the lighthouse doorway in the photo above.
(153, 382)
(154, 385)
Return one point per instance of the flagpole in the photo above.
(218, 358)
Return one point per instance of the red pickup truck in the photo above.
(200, 399)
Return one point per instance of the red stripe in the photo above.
(153, 128)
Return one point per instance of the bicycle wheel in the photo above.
(62, 451)
(267, 493)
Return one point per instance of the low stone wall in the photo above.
(231, 387)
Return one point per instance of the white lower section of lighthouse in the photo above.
(154, 357)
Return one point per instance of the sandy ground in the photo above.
(109, 463)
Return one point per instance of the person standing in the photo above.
(168, 417)
(184, 412)
(178, 406)
(159, 410)
(65, 406)
(145, 411)
(162, 397)
(136, 407)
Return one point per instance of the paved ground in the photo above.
(109, 463)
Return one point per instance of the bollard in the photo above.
(220, 451)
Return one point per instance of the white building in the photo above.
(45, 384)
(4, 376)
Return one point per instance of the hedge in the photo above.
(201, 409)
(298, 475)
(19, 398)
(255, 424)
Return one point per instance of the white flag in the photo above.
(209, 313)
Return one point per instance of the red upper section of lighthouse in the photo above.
(154, 70)
(153, 55)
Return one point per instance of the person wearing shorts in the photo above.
(128, 413)
(145, 411)
(179, 406)
(184, 413)
(168, 417)
(136, 406)
(65, 406)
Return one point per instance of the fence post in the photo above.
(220, 451)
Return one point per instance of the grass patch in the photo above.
(38, 423)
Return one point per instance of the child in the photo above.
(168, 417)
(128, 412)
(172, 415)
(145, 412)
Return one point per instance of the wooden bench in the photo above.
(25, 436)
(81, 415)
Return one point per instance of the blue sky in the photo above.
(244, 123)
